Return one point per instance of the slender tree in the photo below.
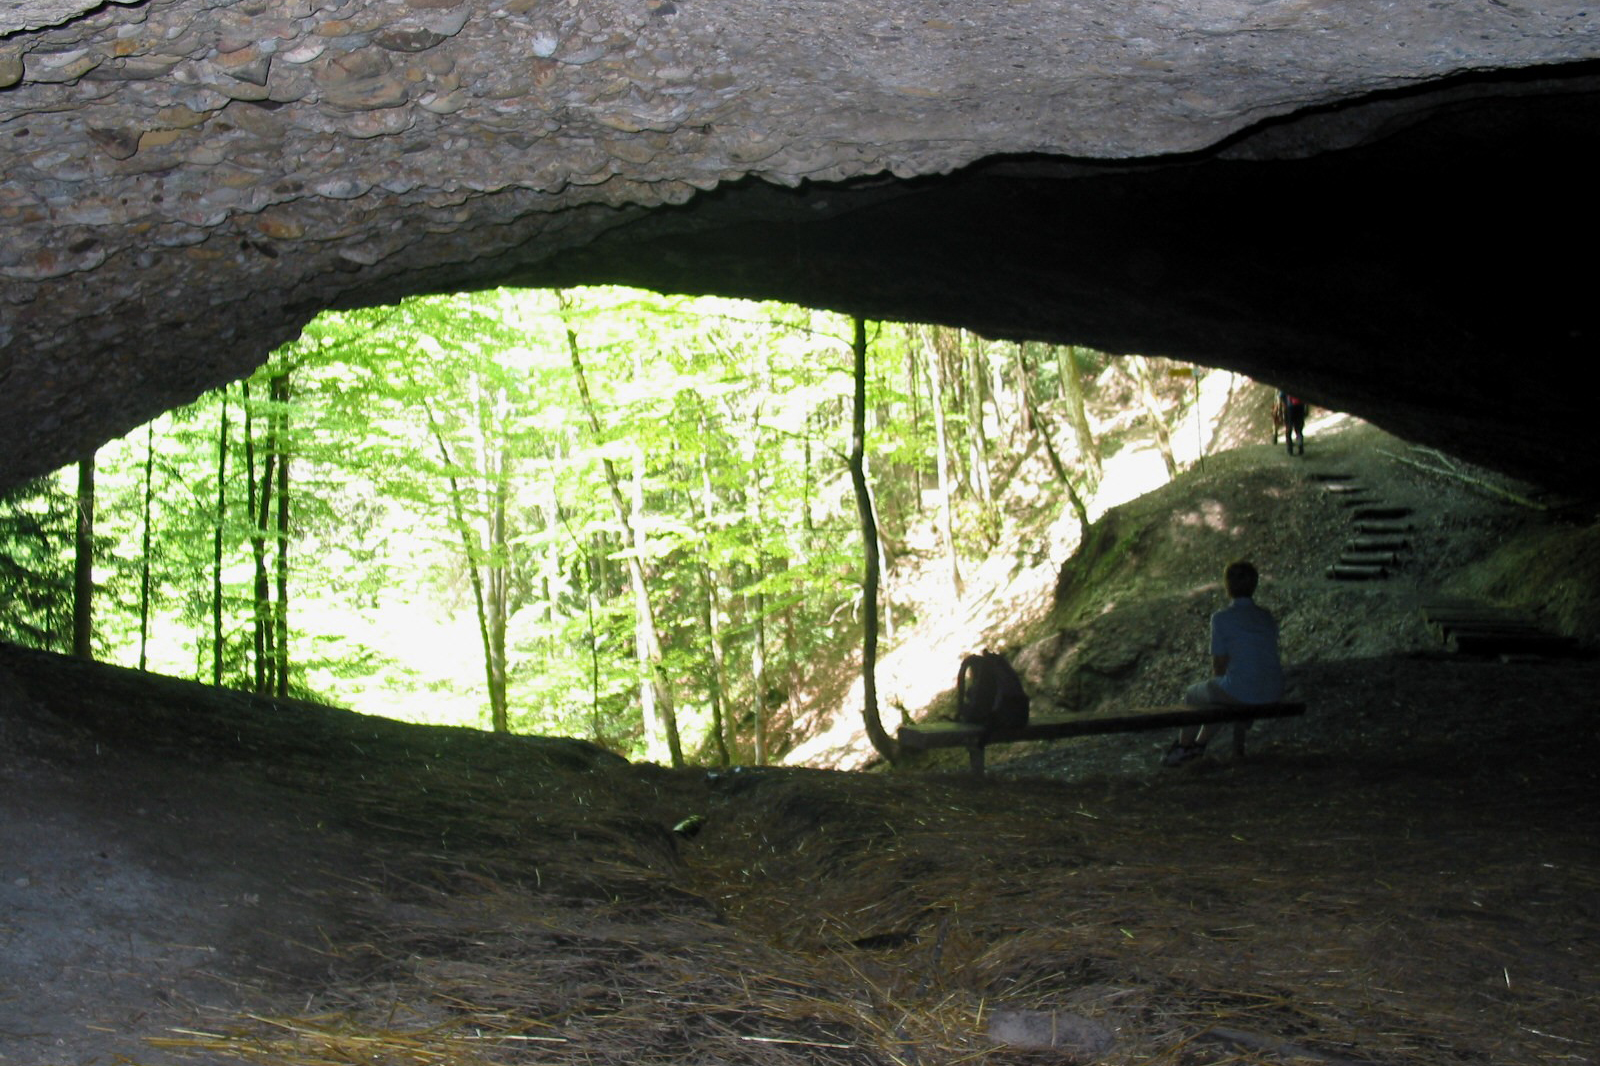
(258, 506)
(933, 364)
(976, 363)
(756, 520)
(489, 607)
(869, 544)
(280, 450)
(217, 543)
(147, 504)
(83, 564)
(655, 698)
(1060, 470)
(1077, 412)
(711, 610)
(1144, 378)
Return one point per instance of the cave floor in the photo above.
(1407, 876)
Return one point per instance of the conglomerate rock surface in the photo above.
(1371, 202)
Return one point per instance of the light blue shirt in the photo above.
(1248, 636)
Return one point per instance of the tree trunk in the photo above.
(144, 552)
(216, 547)
(1043, 426)
(1072, 385)
(869, 543)
(259, 504)
(755, 504)
(711, 607)
(83, 564)
(942, 462)
(280, 615)
(660, 720)
(493, 680)
(494, 459)
(758, 669)
(1026, 416)
(498, 584)
(806, 486)
(914, 398)
(977, 432)
(589, 575)
(591, 582)
(653, 685)
(1144, 377)
(791, 664)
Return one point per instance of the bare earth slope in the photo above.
(1406, 876)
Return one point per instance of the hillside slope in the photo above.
(1120, 619)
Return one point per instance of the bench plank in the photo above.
(927, 736)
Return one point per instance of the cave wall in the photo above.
(1386, 208)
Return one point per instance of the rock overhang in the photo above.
(1317, 196)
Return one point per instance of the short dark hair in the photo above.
(1240, 579)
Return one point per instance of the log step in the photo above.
(1512, 644)
(1470, 628)
(1464, 611)
(1368, 558)
(1342, 572)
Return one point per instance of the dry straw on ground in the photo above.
(1291, 910)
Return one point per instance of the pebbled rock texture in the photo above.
(1387, 206)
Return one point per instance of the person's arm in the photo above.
(1219, 657)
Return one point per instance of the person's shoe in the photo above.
(1179, 754)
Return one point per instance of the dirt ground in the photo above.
(1407, 875)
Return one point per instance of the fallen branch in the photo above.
(1447, 468)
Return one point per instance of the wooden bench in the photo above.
(927, 736)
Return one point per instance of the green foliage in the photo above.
(37, 520)
(454, 549)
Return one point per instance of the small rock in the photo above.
(1077, 1039)
(415, 39)
(10, 70)
(118, 144)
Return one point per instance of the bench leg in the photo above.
(975, 759)
(1239, 730)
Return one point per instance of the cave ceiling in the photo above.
(1387, 207)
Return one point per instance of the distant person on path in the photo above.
(1294, 422)
(1244, 660)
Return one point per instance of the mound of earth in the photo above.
(1407, 875)
(1131, 606)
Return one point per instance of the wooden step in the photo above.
(1468, 611)
(1377, 544)
(1356, 573)
(1367, 558)
(1487, 625)
(1512, 644)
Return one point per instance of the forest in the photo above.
(635, 518)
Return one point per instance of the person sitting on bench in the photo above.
(1244, 660)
